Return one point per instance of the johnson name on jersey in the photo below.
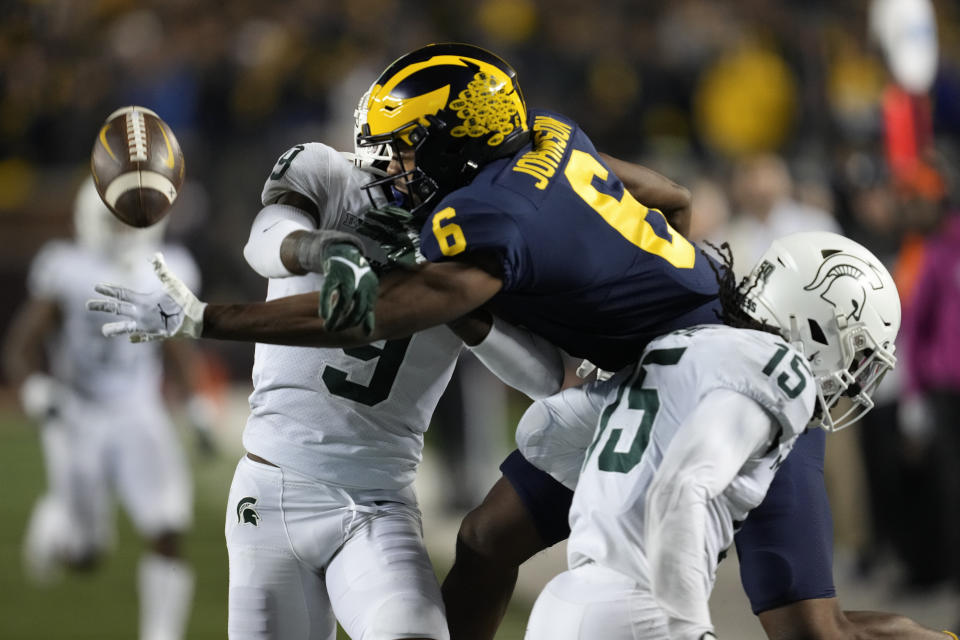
(645, 411)
(584, 264)
(352, 417)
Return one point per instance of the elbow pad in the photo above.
(274, 223)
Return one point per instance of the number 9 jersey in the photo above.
(351, 417)
(584, 264)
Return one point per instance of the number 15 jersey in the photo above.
(644, 410)
(584, 264)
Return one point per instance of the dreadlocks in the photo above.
(732, 294)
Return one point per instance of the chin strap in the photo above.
(951, 634)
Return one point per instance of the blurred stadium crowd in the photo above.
(776, 114)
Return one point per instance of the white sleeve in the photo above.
(274, 223)
(521, 359)
(703, 458)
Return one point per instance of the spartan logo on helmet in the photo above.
(246, 514)
(842, 280)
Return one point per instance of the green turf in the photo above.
(103, 604)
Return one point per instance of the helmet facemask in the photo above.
(371, 158)
(419, 190)
(869, 363)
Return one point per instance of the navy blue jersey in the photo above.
(585, 265)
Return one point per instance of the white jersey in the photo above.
(643, 414)
(350, 417)
(95, 368)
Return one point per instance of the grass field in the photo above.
(103, 604)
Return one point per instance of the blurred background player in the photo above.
(101, 415)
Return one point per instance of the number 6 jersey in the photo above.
(644, 412)
(351, 417)
(584, 264)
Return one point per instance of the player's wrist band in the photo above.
(311, 247)
(951, 634)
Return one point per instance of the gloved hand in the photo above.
(395, 230)
(349, 292)
(171, 312)
(38, 396)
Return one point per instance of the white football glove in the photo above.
(38, 396)
(172, 312)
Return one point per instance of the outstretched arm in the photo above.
(655, 191)
(23, 357)
(22, 351)
(409, 301)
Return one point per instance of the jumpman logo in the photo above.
(166, 316)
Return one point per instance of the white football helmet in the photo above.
(99, 230)
(836, 302)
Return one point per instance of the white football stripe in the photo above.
(136, 180)
(124, 110)
(136, 136)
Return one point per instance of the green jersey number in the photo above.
(623, 459)
(284, 162)
(390, 357)
(798, 369)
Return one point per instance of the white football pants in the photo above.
(304, 555)
(591, 602)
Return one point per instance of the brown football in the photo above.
(137, 166)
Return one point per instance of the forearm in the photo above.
(409, 301)
(22, 353)
(676, 543)
(289, 321)
(19, 363)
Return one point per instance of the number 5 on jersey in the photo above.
(629, 438)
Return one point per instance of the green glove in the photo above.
(395, 230)
(349, 292)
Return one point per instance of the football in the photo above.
(137, 166)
